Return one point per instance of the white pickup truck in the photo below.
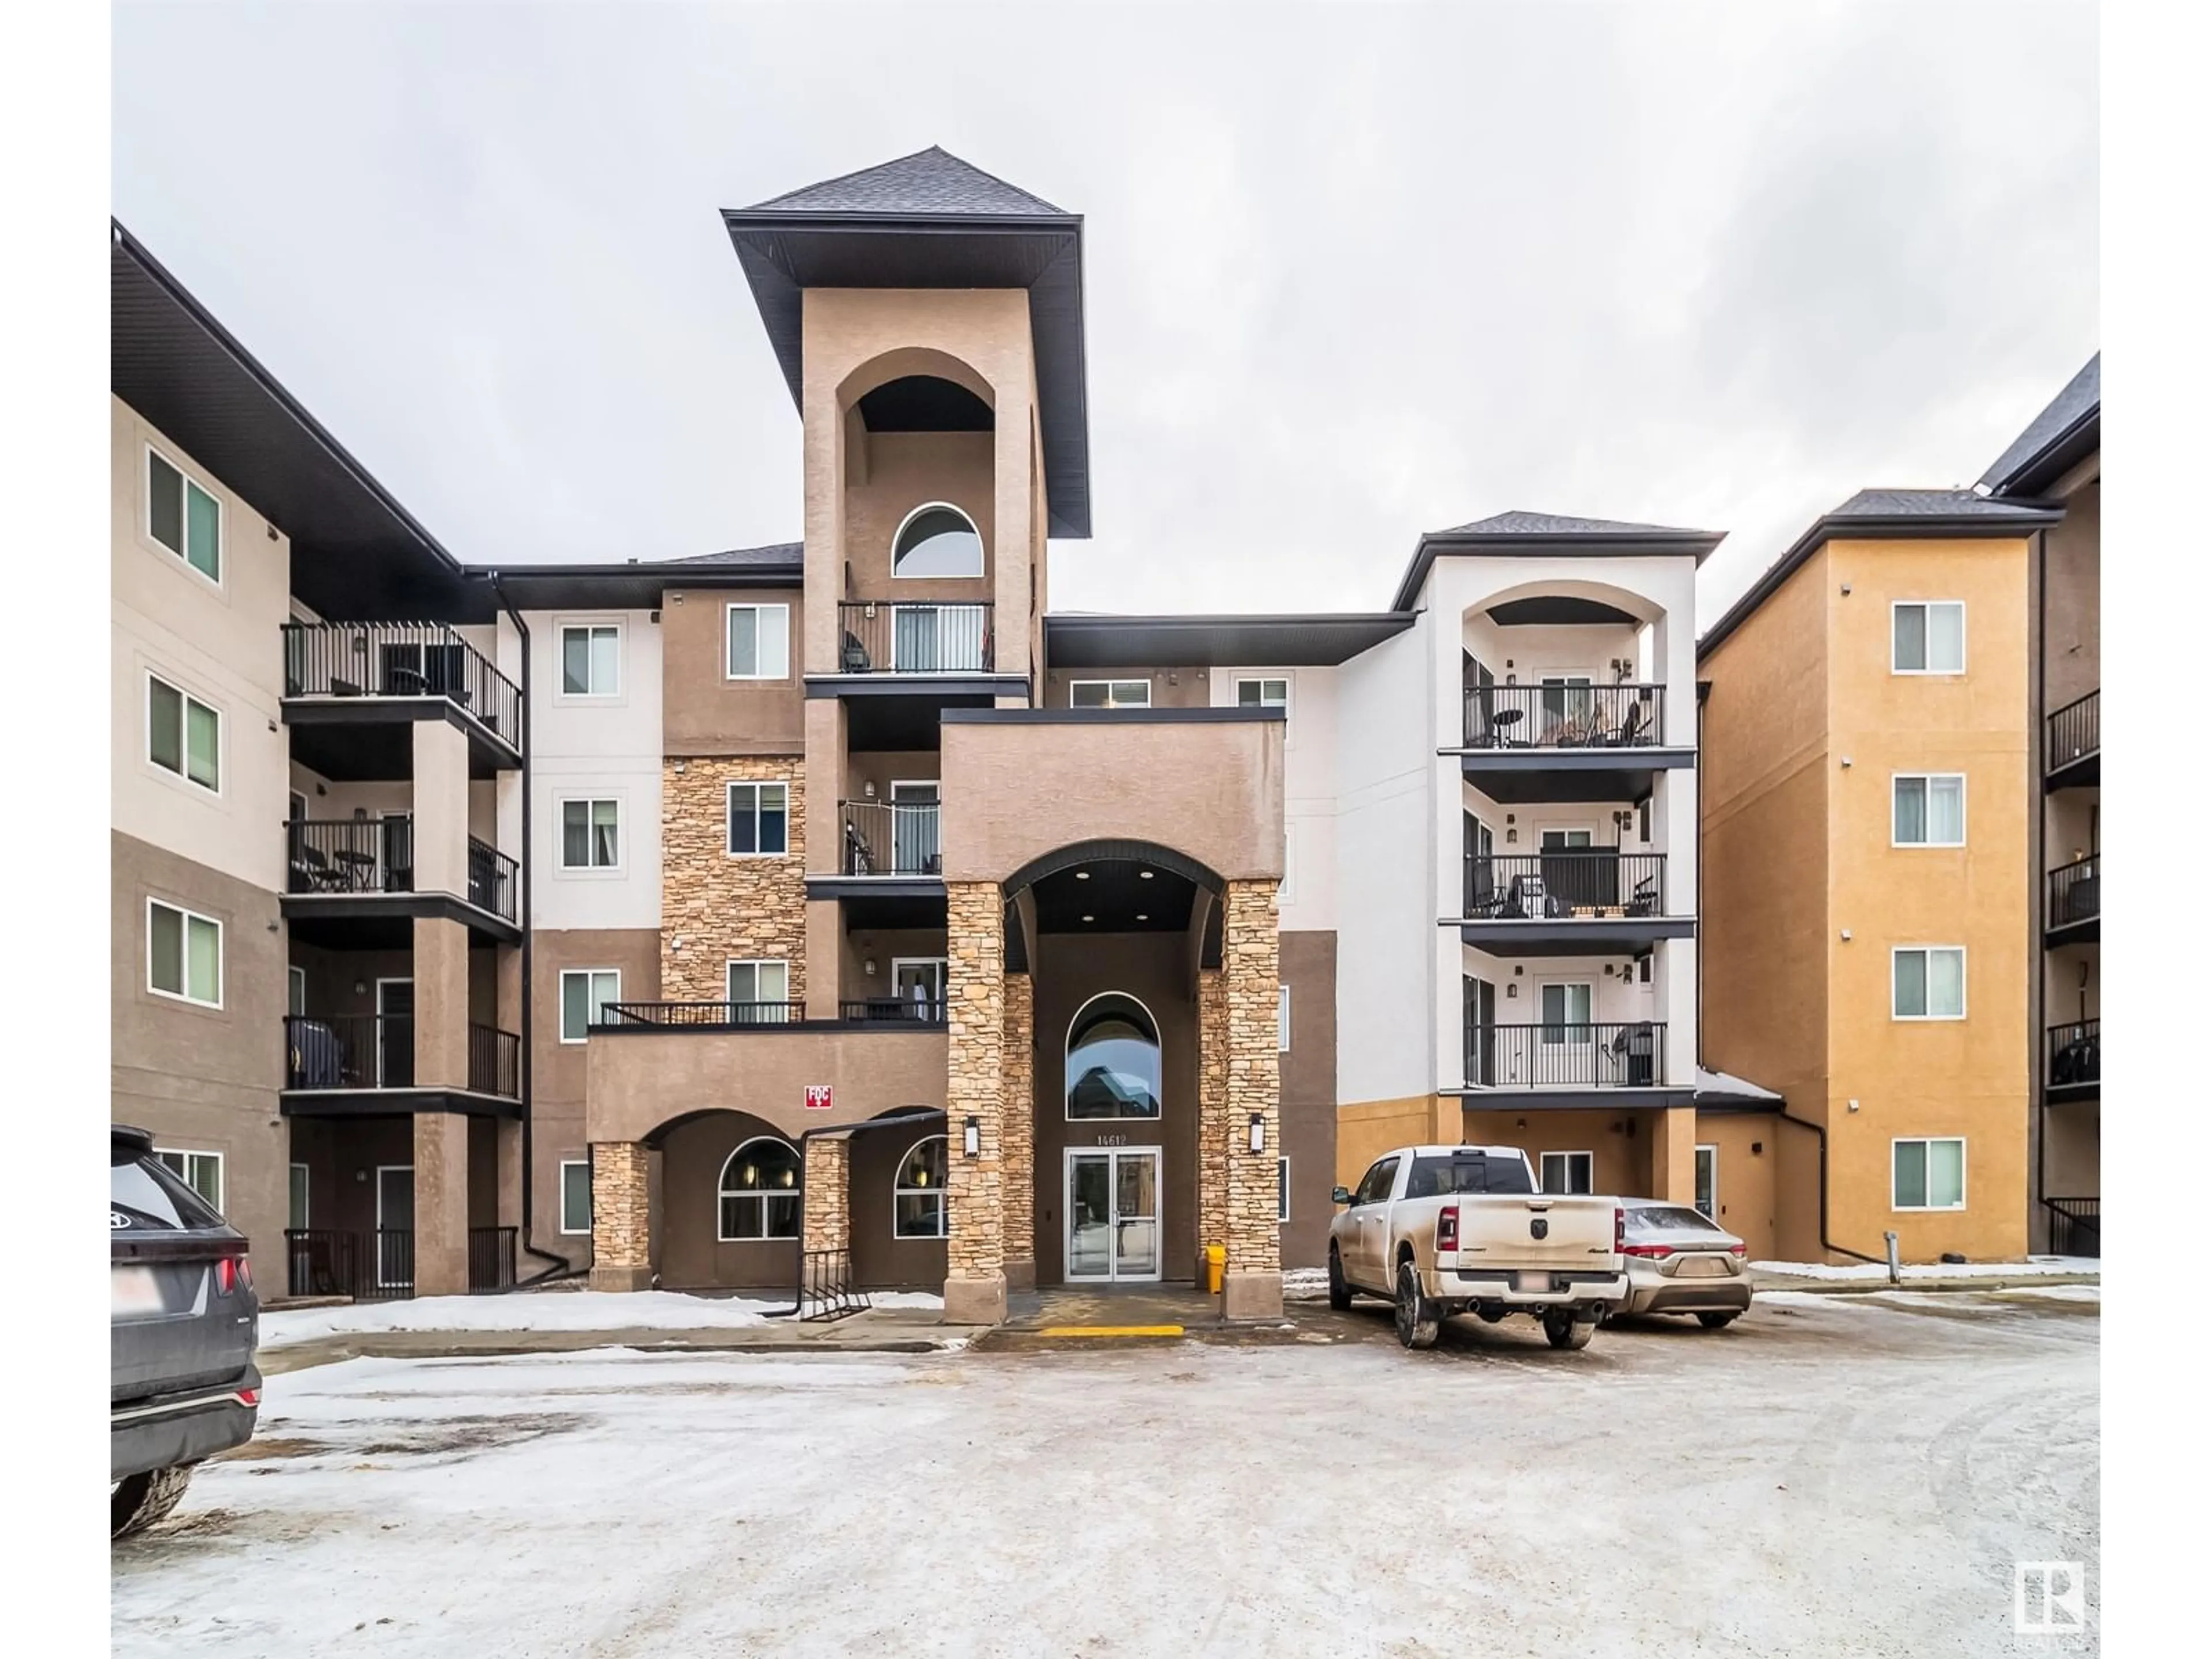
(1448, 1229)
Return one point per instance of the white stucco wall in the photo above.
(596, 747)
(1309, 789)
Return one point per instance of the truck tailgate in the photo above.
(1544, 1230)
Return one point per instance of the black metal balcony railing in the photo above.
(1566, 1056)
(729, 1014)
(392, 1264)
(351, 855)
(1565, 883)
(380, 1266)
(400, 660)
(891, 838)
(2071, 733)
(321, 1261)
(2073, 894)
(1629, 715)
(2070, 1053)
(883, 636)
(491, 879)
(495, 1062)
(349, 1051)
(491, 1258)
(894, 1010)
(2076, 1226)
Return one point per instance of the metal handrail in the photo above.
(400, 660)
(731, 1015)
(350, 855)
(349, 1051)
(826, 1290)
(1627, 714)
(890, 838)
(2071, 733)
(491, 1258)
(2070, 1053)
(893, 1011)
(2073, 892)
(913, 637)
(2076, 1226)
(495, 1062)
(1568, 882)
(1613, 1054)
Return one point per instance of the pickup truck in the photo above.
(1450, 1230)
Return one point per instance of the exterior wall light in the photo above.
(971, 1138)
(1259, 1132)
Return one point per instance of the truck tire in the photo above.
(1339, 1293)
(1418, 1322)
(1562, 1331)
(140, 1500)
(1714, 1321)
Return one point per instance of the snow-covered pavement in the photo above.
(546, 1311)
(1819, 1477)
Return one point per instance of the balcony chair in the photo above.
(856, 657)
(859, 861)
(1631, 729)
(1644, 901)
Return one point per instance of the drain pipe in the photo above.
(1827, 1243)
(562, 1268)
(890, 1119)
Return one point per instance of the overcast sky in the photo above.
(1351, 273)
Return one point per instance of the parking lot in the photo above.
(1833, 1474)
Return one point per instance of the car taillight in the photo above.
(1448, 1227)
(231, 1273)
(1619, 1227)
(248, 1397)
(1653, 1252)
(1736, 1249)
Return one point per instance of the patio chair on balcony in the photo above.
(856, 657)
(859, 861)
(1631, 728)
(1644, 901)
(315, 873)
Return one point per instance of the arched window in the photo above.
(1113, 1060)
(760, 1191)
(918, 1196)
(937, 539)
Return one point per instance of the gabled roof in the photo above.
(2066, 431)
(1314, 640)
(782, 553)
(1874, 515)
(1517, 525)
(1519, 533)
(931, 219)
(638, 584)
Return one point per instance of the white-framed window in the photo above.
(1282, 1190)
(1927, 1174)
(184, 736)
(1282, 1019)
(761, 985)
(1928, 982)
(297, 1207)
(183, 954)
(1110, 694)
(759, 642)
(295, 990)
(918, 1202)
(1565, 1010)
(1265, 691)
(1928, 809)
(591, 659)
(1113, 1060)
(937, 539)
(1567, 1172)
(1928, 636)
(576, 1195)
(591, 834)
(584, 993)
(760, 820)
(1707, 1182)
(201, 1171)
(184, 515)
(758, 1192)
(1283, 892)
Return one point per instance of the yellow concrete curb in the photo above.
(1111, 1330)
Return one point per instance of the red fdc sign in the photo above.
(818, 1096)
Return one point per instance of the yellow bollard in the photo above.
(1217, 1257)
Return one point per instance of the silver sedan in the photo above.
(1678, 1262)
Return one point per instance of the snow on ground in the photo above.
(1305, 1283)
(546, 1311)
(2034, 1267)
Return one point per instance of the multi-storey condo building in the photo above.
(832, 907)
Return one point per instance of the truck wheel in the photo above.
(1714, 1321)
(1563, 1332)
(140, 1500)
(1339, 1293)
(1418, 1322)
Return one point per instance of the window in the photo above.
(1928, 809)
(591, 835)
(759, 992)
(1374, 1186)
(1708, 1182)
(1113, 1060)
(585, 994)
(759, 1192)
(295, 990)
(183, 954)
(918, 1196)
(1566, 1011)
(1927, 1175)
(1282, 1190)
(1110, 694)
(1568, 1172)
(183, 734)
(201, 1171)
(1928, 982)
(1928, 636)
(591, 661)
(937, 540)
(576, 1195)
(1283, 1019)
(1264, 693)
(760, 820)
(296, 1212)
(760, 643)
(183, 517)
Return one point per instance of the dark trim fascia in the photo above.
(2071, 1094)
(1692, 544)
(910, 1027)
(1601, 936)
(2078, 442)
(853, 887)
(1731, 1106)
(1109, 716)
(1543, 1100)
(385, 906)
(393, 1102)
(382, 711)
(1214, 640)
(1667, 759)
(2085, 932)
(917, 686)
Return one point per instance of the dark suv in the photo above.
(183, 1384)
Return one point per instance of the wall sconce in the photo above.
(1758, 1147)
(1520, 1123)
(971, 1138)
(868, 789)
(360, 989)
(1852, 1105)
(680, 769)
(868, 966)
(1259, 1132)
(1847, 762)
(1847, 590)
(1511, 989)
(1512, 836)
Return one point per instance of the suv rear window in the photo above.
(1671, 1219)
(143, 1196)
(1435, 1176)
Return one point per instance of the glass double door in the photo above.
(1113, 1215)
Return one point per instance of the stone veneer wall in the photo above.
(719, 908)
(1214, 1124)
(975, 942)
(1019, 1100)
(1251, 967)
(622, 1221)
(826, 1222)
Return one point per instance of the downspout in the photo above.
(890, 1119)
(1827, 1243)
(562, 1266)
(2038, 738)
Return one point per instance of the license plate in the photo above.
(1532, 1282)
(135, 1292)
(1701, 1267)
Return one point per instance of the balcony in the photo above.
(2070, 1062)
(1575, 900)
(1527, 744)
(352, 689)
(2071, 751)
(1567, 1064)
(893, 1011)
(2070, 913)
(882, 636)
(890, 838)
(2076, 1226)
(361, 1057)
(380, 1265)
(901, 663)
(708, 1016)
(351, 882)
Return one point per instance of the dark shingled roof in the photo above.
(1551, 534)
(927, 181)
(1949, 504)
(1520, 526)
(776, 553)
(2054, 439)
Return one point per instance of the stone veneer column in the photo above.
(622, 1219)
(827, 1223)
(715, 908)
(975, 1246)
(1251, 967)
(1017, 1102)
(1213, 1126)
